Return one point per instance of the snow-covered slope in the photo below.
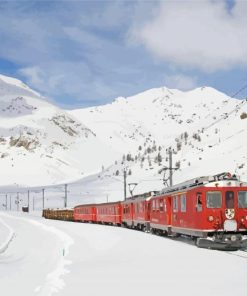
(160, 114)
(42, 144)
(205, 128)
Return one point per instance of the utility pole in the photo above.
(17, 202)
(43, 198)
(125, 176)
(170, 166)
(28, 200)
(170, 169)
(65, 195)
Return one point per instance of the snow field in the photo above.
(107, 260)
(6, 235)
(35, 260)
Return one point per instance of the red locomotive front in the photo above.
(213, 210)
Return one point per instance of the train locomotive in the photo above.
(211, 210)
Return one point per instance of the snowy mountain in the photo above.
(205, 128)
(40, 143)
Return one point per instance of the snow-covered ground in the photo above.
(49, 257)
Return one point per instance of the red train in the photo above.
(212, 210)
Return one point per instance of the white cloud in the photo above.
(34, 76)
(181, 82)
(203, 34)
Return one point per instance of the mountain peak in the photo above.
(12, 85)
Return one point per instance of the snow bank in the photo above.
(7, 234)
(62, 242)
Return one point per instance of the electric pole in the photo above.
(65, 195)
(28, 200)
(43, 198)
(170, 169)
(125, 176)
(17, 202)
(170, 166)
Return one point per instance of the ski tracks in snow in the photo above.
(4, 245)
(54, 281)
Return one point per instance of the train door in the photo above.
(230, 205)
(174, 210)
(132, 214)
(196, 220)
(148, 209)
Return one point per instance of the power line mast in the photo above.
(17, 202)
(125, 190)
(65, 195)
(28, 200)
(43, 198)
(170, 169)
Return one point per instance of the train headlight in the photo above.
(210, 218)
(233, 238)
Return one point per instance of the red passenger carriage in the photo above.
(109, 213)
(136, 211)
(85, 213)
(160, 214)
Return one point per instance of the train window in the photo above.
(153, 205)
(161, 205)
(175, 204)
(149, 206)
(242, 199)
(157, 205)
(141, 207)
(183, 202)
(214, 199)
(229, 200)
(198, 201)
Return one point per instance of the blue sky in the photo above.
(86, 53)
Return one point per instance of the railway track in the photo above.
(239, 253)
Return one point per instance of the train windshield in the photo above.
(214, 200)
(229, 199)
(242, 199)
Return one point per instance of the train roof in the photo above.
(220, 180)
(59, 209)
(98, 204)
(146, 196)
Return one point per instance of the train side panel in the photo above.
(109, 213)
(160, 214)
(85, 213)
